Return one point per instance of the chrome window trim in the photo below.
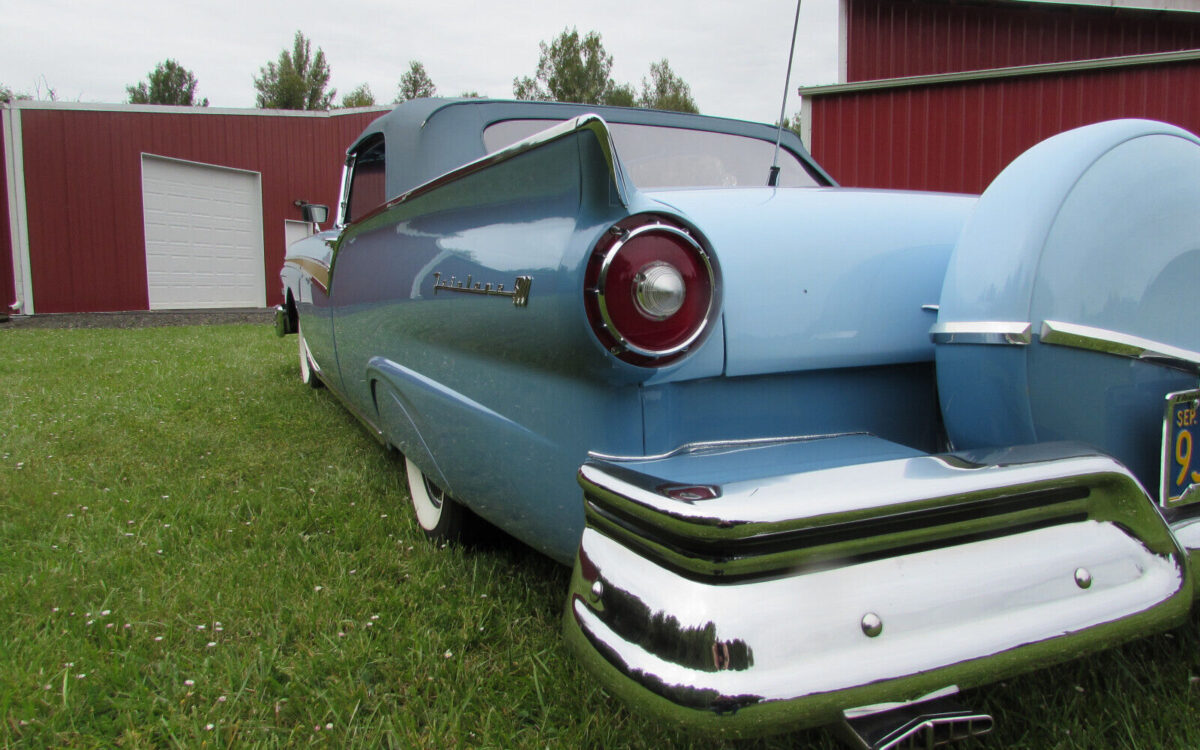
(621, 341)
(1017, 333)
(344, 192)
(593, 122)
(1120, 344)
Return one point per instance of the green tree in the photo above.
(296, 81)
(793, 124)
(665, 90)
(471, 95)
(359, 97)
(168, 83)
(621, 96)
(8, 96)
(571, 69)
(415, 83)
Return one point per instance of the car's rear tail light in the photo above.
(650, 289)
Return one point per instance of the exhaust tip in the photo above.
(916, 726)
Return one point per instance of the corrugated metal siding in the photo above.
(83, 190)
(957, 137)
(896, 38)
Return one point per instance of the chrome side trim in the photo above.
(1119, 344)
(982, 332)
(316, 270)
(708, 446)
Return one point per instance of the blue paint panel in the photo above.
(817, 279)
(897, 403)
(509, 399)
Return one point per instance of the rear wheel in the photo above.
(440, 516)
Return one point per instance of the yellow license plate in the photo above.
(1181, 449)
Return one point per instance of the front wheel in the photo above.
(441, 517)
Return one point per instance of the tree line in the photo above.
(571, 68)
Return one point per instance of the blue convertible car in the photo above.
(843, 453)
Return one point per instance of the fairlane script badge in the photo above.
(519, 294)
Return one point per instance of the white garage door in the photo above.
(204, 238)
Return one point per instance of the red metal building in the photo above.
(942, 94)
(122, 207)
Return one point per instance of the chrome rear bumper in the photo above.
(751, 604)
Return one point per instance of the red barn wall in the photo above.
(897, 38)
(958, 136)
(83, 188)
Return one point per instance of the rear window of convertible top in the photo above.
(661, 157)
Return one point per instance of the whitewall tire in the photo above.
(439, 515)
(308, 373)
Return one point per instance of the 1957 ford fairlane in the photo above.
(843, 453)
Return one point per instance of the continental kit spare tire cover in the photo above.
(1071, 304)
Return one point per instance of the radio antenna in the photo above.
(773, 177)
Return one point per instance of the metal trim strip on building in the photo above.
(18, 225)
(1100, 63)
(163, 109)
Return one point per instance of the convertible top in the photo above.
(443, 134)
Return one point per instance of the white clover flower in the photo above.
(210, 644)
(189, 683)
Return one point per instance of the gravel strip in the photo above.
(141, 319)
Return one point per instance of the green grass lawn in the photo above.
(197, 550)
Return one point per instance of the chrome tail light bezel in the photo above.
(601, 309)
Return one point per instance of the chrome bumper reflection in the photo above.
(790, 600)
(283, 321)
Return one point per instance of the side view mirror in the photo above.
(315, 212)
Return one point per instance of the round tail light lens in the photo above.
(650, 289)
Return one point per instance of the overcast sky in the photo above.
(733, 53)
